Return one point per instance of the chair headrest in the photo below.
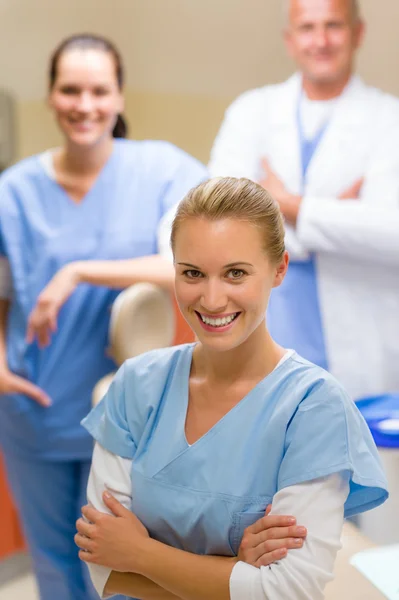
(142, 319)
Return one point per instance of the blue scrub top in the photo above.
(42, 229)
(293, 315)
(296, 425)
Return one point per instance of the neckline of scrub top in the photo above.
(94, 186)
(186, 368)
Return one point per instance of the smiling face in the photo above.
(223, 279)
(322, 37)
(85, 96)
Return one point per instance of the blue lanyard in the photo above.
(307, 147)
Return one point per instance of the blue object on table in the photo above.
(382, 416)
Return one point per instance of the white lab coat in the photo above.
(356, 242)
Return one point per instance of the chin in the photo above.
(84, 139)
(325, 74)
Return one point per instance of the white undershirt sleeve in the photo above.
(318, 505)
(163, 234)
(5, 279)
(302, 575)
(108, 472)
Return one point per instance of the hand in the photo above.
(110, 540)
(13, 384)
(289, 203)
(269, 539)
(42, 320)
(352, 192)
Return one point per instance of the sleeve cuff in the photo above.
(99, 577)
(6, 288)
(246, 583)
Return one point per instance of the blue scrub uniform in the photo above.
(296, 425)
(294, 316)
(47, 452)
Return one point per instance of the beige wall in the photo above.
(185, 59)
(189, 121)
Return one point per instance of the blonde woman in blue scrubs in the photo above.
(195, 441)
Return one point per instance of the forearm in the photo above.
(136, 586)
(123, 273)
(350, 228)
(187, 576)
(4, 308)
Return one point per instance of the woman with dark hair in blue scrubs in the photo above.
(102, 197)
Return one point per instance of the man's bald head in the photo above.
(322, 36)
(353, 6)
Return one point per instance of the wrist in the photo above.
(144, 557)
(75, 271)
(293, 210)
(4, 370)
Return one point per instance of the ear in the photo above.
(121, 103)
(49, 100)
(287, 38)
(281, 270)
(359, 32)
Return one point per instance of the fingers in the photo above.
(268, 559)
(30, 333)
(114, 506)
(358, 186)
(265, 165)
(91, 514)
(85, 528)
(42, 331)
(268, 509)
(272, 545)
(42, 323)
(86, 556)
(269, 551)
(83, 542)
(280, 533)
(270, 521)
(353, 192)
(22, 386)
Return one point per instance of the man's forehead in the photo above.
(298, 9)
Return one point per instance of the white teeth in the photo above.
(218, 322)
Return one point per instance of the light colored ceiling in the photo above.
(212, 47)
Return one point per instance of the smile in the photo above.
(217, 322)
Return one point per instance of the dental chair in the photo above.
(143, 317)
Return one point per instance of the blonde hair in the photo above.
(241, 199)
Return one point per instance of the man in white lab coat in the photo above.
(327, 147)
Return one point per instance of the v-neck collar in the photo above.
(51, 175)
(185, 398)
(158, 458)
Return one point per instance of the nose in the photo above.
(213, 297)
(84, 102)
(320, 37)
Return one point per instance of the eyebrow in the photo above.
(229, 266)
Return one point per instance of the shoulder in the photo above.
(142, 381)
(381, 106)
(147, 375)
(314, 387)
(20, 182)
(21, 171)
(157, 152)
(257, 98)
(155, 362)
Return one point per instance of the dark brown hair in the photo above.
(90, 41)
